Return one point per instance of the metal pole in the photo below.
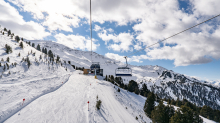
(91, 27)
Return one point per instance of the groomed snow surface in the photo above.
(68, 104)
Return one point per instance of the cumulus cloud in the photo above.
(121, 42)
(76, 41)
(11, 19)
(206, 7)
(153, 20)
(56, 14)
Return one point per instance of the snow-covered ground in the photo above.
(23, 82)
(69, 104)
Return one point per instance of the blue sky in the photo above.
(120, 28)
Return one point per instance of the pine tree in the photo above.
(15, 64)
(145, 94)
(58, 59)
(45, 50)
(50, 53)
(106, 78)
(9, 32)
(17, 38)
(186, 115)
(22, 39)
(137, 91)
(0, 64)
(38, 47)
(132, 85)
(149, 104)
(168, 113)
(21, 45)
(3, 33)
(8, 59)
(2, 60)
(28, 62)
(19, 54)
(33, 45)
(8, 49)
(173, 102)
(5, 29)
(126, 87)
(40, 57)
(158, 114)
(206, 111)
(144, 91)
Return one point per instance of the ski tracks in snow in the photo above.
(69, 104)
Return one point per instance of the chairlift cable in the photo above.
(172, 36)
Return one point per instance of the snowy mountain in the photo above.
(56, 92)
(165, 83)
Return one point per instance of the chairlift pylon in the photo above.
(123, 71)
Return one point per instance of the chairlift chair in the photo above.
(123, 71)
(95, 65)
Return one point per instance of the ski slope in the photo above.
(69, 104)
(53, 95)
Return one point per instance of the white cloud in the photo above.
(122, 59)
(97, 28)
(60, 22)
(76, 41)
(121, 42)
(113, 11)
(206, 7)
(60, 15)
(11, 19)
(153, 21)
(115, 56)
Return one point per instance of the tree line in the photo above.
(186, 113)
